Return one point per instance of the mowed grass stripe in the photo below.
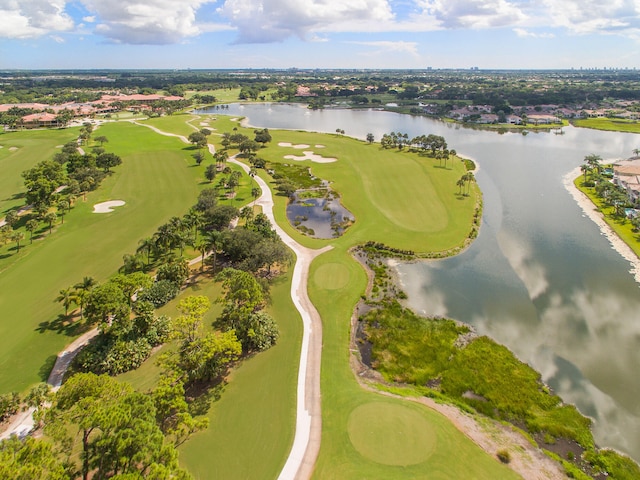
(252, 424)
(156, 184)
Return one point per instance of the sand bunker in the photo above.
(319, 146)
(106, 207)
(299, 145)
(204, 124)
(309, 155)
(13, 149)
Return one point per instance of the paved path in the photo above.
(306, 443)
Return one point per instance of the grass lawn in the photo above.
(223, 95)
(178, 123)
(21, 151)
(156, 182)
(355, 422)
(609, 124)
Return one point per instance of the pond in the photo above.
(540, 278)
(319, 216)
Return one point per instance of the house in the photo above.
(39, 120)
(626, 175)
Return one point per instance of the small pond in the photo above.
(318, 213)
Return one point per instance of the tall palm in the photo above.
(146, 245)
(213, 240)
(255, 193)
(67, 297)
(203, 247)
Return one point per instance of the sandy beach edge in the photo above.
(591, 212)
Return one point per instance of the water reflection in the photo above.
(540, 278)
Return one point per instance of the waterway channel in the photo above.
(540, 278)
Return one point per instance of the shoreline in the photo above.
(590, 210)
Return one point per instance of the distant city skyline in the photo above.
(417, 34)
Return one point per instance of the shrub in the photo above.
(9, 404)
(504, 456)
(159, 293)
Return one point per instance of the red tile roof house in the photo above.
(626, 174)
(39, 120)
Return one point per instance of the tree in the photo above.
(586, 168)
(255, 193)
(17, 237)
(198, 139)
(31, 226)
(11, 218)
(106, 161)
(101, 140)
(67, 297)
(106, 305)
(199, 356)
(210, 172)
(262, 136)
(370, 138)
(213, 241)
(63, 207)
(117, 427)
(31, 459)
(199, 157)
(146, 245)
(50, 218)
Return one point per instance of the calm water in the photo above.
(325, 216)
(540, 278)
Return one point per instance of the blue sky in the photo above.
(319, 34)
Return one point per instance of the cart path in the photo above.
(306, 443)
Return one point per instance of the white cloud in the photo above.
(521, 32)
(33, 18)
(276, 20)
(56, 38)
(475, 14)
(146, 21)
(89, 18)
(594, 16)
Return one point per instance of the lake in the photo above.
(540, 278)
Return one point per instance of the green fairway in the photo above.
(401, 199)
(21, 151)
(252, 425)
(156, 183)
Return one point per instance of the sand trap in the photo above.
(590, 211)
(319, 146)
(106, 207)
(309, 155)
(299, 145)
(204, 124)
(13, 149)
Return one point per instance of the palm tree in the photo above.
(67, 297)
(146, 245)
(255, 193)
(31, 226)
(50, 218)
(203, 247)
(470, 178)
(17, 237)
(460, 183)
(586, 168)
(213, 241)
(82, 291)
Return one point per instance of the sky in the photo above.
(375, 34)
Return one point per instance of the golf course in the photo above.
(402, 199)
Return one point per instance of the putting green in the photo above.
(391, 434)
(332, 276)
